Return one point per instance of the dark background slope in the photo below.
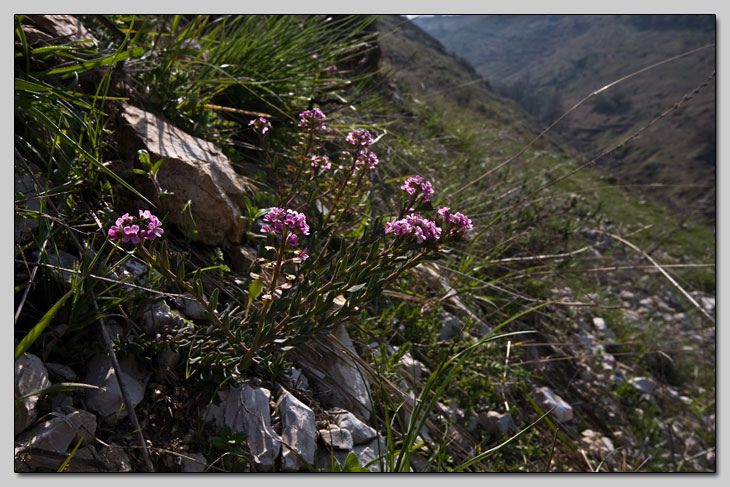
(549, 62)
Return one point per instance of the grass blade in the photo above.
(36, 331)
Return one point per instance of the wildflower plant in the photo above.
(293, 295)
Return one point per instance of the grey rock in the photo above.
(708, 303)
(61, 430)
(195, 464)
(133, 267)
(336, 379)
(499, 423)
(195, 171)
(297, 380)
(247, 409)
(62, 28)
(597, 444)
(298, 431)
(109, 402)
(371, 452)
(337, 438)
(64, 260)
(30, 376)
(450, 329)
(643, 384)
(547, 399)
(360, 432)
(156, 317)
(627, 295)
(608, 361)
(193, 309)
(600, 324)
(63, 371)
(412, 370)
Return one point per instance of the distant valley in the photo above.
(547, 63)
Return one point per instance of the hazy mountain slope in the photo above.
(548, 63)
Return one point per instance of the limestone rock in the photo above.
(298, 431)
(156, 317)
(336, 379)
(59, 28)
(194, 171)
(61, 430)
(195, 464)
(360, 432)
(247, 409)
(547, 400)
(497, 423)
(598, 445)
(337, 438)
(193, 309)
(109, 402)
(411, 369)
(371, 452)
(450, 329)
(643, 384)
(30, 376)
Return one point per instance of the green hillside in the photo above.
(550, 62)
(323, 244)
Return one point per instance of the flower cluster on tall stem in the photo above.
(135, 229)
(260, 125)
(415, 186)
(455, 224)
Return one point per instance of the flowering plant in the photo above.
(260, 125)
(416, 185)
(135, 229)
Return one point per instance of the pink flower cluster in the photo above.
(313, 119)
(320, 161)
(360, 138)
(421, 228)
(364, 158)
(416, 185)
(261, 125)
(134, 229)
(286, 222)
(455, 223)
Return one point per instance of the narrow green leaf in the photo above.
(59, 387)
(95, 63)
(71, 455)
(255, 288)
(213, 302)
(34, 333)
(46, 121)
(144, 157)
(356, 288)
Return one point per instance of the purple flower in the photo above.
(134, 229)
(289, 221)
(456, 224)
(360, 138)
(414, 224)
(321, 161)
(368, 159)
(331, 68)
(131, 234)
(313, 119)
(261, 125)
(303, 254)
(416, 185)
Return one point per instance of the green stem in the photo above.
(230, 337)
